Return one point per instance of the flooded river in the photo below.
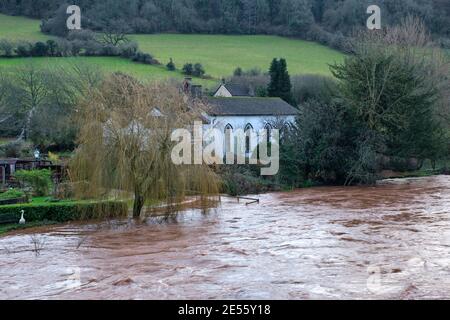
(382, 242)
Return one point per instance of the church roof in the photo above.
(250, 106)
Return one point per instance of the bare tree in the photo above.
(113, 35)
(5, 112)
(32, 82)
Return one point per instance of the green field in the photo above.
(219, 54)
(20, 28)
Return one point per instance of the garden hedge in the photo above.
(62, 212)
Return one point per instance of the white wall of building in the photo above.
(240, 122)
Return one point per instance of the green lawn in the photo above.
(20, 28)
(221, 54)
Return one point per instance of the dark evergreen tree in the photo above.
(280, 81)
(284, 82)
(273, 87)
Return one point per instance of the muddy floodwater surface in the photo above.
(382, 242)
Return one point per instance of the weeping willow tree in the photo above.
(125, 144)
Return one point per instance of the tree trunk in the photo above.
(138, 204)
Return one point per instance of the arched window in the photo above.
(228, 137)
(268, 127)
(247, 130)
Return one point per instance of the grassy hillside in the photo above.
(20, 28)
(221, 54)
(106, 64)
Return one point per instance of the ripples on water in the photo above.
(387, 241)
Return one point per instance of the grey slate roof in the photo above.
(236, 90)
(249, 106)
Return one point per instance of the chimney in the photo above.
(196, 91)
(187, 85)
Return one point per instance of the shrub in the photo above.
(15, 149)
(188, 69)
(194, 70)
(40, 49)
(312, 87)
(199, 71)
(6, 48)
(171, 65)
(52, 47)
(143, 58)
(64, 211)
(128, 49)
(238, 72)
(12, 194)
(109, 50)
(24, 49)
(39, 180)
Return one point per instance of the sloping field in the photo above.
(219, 54)
(20, 28)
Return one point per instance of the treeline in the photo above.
(326, 21)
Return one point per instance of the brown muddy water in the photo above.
(383, 242)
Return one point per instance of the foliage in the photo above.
(387, 110)
(171, 66)
(145, 58)
(238, 72)
(188, 69)
(244, 180)
(40, 181)
(198, 71)
(393, 87)
(12, 194)
(313, 87)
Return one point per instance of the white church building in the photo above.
(234, 107)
